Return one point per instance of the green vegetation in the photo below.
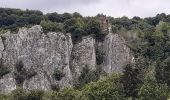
(21, 73)
(148, 78)
(87, 76)
(3, 70)
(58, 74)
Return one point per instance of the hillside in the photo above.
(70, 57)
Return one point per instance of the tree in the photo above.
(150, 90)
(51, 26)
(55, 17)
(108, 88)
(131, 81)
(93, 27)
(86, 77)
(66, 94)
(77, 15)
(163, 72)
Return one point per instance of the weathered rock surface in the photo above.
(116, 53)
(42, 53)
(83, 55)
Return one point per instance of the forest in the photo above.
(148, 38)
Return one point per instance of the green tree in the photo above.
(77, 15)
(108, 88)
(150, 90)
(51, 26)
(132, 79)
(66, 94)
(93, 26)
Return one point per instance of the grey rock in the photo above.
(41, 53)
(83, 55)
(117, 54)
(7, 83)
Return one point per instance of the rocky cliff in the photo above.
(38, 60)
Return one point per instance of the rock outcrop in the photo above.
(41, 54)
(116, 53)
(83, 55)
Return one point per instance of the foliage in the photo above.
(131, 81)
(14, 18)
(21, 74)
(4, 97)
(150, 90)
(93, 26)
(58, 74)
(133, 76)
(148, 39)
(79, 27)
(3, 70)
(51, 26)
(87, 76)
(108, 88)
(19, 94)
(66, 94)
(162, 72)
(35, 95)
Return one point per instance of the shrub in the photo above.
(51, 26)
(3, 70)
(35, 95)
(99, 56)
(153, 91)
(58, 74)
(4, 97)
(19, 94)
(20, 73)
(108, 88)
(66, 94)
(86, 76)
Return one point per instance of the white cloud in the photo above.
(115, 8)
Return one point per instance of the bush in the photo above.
(3, 70)
(58, 74)
(51, 26)
(19, 94)
(66, 94)
(153, 91)
(20, 73)
(108, 88)
(4, 97)
(87, 76)
(35, 95)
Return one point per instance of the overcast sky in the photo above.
(115, 8)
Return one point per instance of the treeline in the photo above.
(78, 26)
(13, 18)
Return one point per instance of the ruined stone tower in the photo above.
(104, 23)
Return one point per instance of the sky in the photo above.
(114, 8)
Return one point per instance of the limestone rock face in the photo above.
(116, 53)
(7, 83)
(83, 55)
(41, 53)
(45, 55)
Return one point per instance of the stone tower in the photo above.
(104, 23)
